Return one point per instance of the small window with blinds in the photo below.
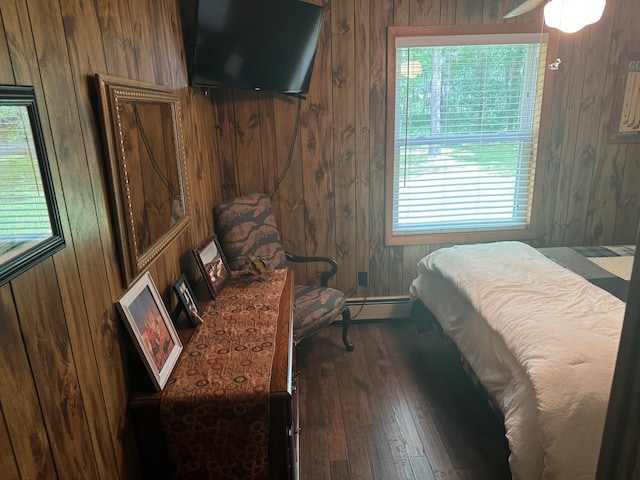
(25, 214)
(463, 128)
(30, 225)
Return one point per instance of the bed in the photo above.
(539, 330)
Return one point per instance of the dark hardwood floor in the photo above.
(399, 407)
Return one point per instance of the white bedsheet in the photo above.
(494, 366)
(541, 339)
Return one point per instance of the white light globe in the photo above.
(570, 16)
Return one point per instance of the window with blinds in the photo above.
(24, 214)
(464, 136)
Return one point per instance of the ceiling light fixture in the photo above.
(570, 16)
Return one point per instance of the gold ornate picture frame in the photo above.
(147, 168)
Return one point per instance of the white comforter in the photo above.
(562, 333)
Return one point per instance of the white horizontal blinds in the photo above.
(466, 129)
(24, 214)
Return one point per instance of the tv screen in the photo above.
(255, 44)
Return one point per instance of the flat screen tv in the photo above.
(255, 44)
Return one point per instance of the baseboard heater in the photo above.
(379, 308)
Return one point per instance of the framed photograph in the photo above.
(212, 263)
(625, 119)
(152, 331)
(187, 301)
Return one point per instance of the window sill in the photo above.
(459, 237)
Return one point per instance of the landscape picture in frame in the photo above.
(151, 329)
(213, 264)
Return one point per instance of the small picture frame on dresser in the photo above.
(151, 329)
(187, 302)
(213, 264)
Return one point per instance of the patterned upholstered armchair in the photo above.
(246, 227)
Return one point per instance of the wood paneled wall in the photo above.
(335, 186)
(67, 367)
(66, 362)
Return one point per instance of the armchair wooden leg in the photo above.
(346, 320)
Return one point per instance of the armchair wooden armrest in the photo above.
(325, 276)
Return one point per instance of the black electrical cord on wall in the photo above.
(293, 142)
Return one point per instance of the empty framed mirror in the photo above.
(30, 228)
(147, 168)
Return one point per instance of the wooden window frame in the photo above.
(530, 231)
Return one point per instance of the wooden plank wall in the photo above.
(335, 187)
(66, 362)
(67, 367)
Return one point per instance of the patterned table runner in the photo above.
(215, 406)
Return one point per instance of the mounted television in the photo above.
(255, 44)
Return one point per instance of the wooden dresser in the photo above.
(283, 406)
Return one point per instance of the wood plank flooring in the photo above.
(399, 407)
